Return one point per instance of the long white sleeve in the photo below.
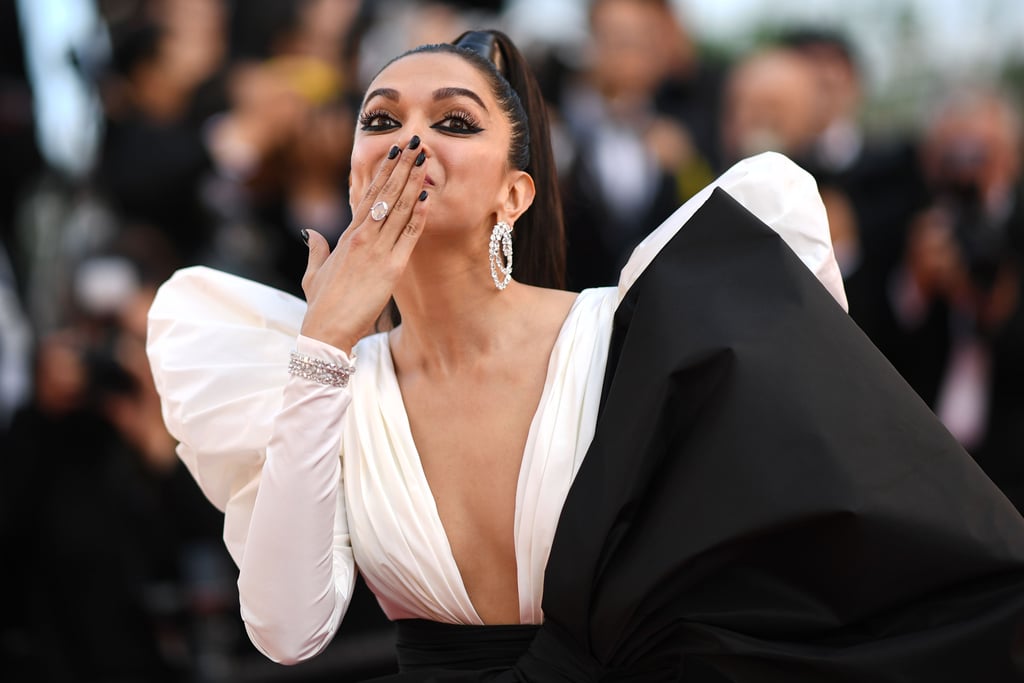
(297, 569)
(264, 448)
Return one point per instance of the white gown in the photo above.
(339, 481)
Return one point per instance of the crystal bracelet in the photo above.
(320, 371)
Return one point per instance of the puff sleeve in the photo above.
(263, 446)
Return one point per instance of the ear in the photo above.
(517, 197)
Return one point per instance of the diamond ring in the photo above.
(379, 211)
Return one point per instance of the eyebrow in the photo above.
(439, 94)
(386, 93)
(449, 93)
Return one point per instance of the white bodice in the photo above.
(399, 542)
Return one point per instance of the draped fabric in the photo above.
(780, 506)
(766, 500)
(423, 644)
(219, 348)
(762, 498)
(399, 542)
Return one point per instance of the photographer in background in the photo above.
(957, 295)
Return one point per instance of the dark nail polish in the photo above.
(394, 152)
(423, 195)
(305, 236)
(415, 142)
(420, 159)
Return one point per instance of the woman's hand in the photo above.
(347, 289)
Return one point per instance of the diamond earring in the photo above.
(501, 238)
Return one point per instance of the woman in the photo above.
(462, 492)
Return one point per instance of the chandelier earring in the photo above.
(501, 246)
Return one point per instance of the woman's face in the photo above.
(448, 103)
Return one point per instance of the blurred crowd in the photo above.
(225, 128)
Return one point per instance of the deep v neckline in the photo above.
(402, 418)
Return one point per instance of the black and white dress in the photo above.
(723, 480)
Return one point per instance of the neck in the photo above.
(452, 314)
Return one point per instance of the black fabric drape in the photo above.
(423, 644)
(765, 499)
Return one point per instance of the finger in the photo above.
(412, 228)
(405, 203)
(319, 250)
(383, 181)
(391, 191)
(362, 209)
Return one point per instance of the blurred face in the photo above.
(976, 146)
(772, 104)
(630, 54)
(322, 28)
(448, 103)
(838, 83)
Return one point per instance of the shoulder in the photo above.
(559, 300)
(562, 317)
(552, 308)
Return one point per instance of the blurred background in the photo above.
(140, 136)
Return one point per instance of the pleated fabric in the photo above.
(400, 544)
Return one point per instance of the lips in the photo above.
(428, 181)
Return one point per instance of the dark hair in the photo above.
(539, 234)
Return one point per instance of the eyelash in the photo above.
(366, 121)
(469, 123)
